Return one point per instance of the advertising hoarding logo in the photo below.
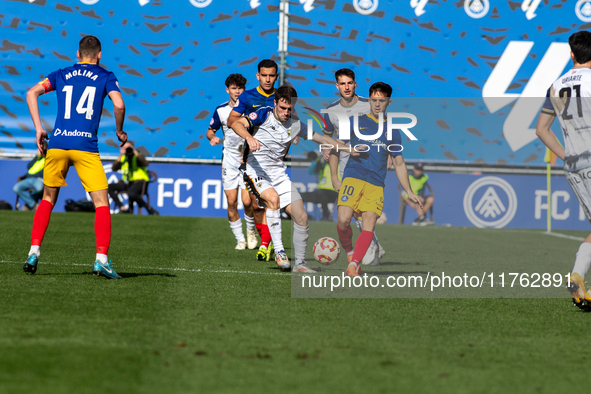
(308, 5)
(516, 129)
(200, 3)
(530, 7)
(583, 10)
(490, 210)
(419, 6)
(365, 7)
(476, 9)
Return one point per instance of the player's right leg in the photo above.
(231, 178)
(91, 173)
(270, 198)
(234, 218)
(581, 185)
(255, 186)
(251, 238)
(345, 214)
(57, 163)
(260, 220)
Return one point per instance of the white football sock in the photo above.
(300, 242)
(102, 258)
(583, 260)
(249, 223)
(237, 230)
(35, 249)
(274, 224)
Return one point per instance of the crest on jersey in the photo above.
(490, 202)
(344, 198)
(252, 115)
(476, 9)
(200, 3)
(583, 10)
(365, 7)
(211, 122)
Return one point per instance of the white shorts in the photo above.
(580, 182)
(232, 177)
(257, 183)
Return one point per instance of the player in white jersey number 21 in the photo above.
(569, 99)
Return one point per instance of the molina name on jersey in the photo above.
(569, 99)
(81, 90)
(275, 138)
(253, 100)
(233, 143)
(371, 166)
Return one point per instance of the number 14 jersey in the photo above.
(81, 90)
(569, 99)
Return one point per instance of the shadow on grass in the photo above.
(405, 273)
(122, 274)
(133, 275)
(395, 263)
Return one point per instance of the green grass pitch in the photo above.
(192, 315)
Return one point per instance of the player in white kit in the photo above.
(265, 172)
(232, 158)
(569, 99)
(347, 105)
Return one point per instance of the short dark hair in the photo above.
(268, 63)
(89, 46)
(235, 79)
(344, 72)
(580, 44)
(286, 93)
(381, 87)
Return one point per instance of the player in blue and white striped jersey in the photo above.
(265, 172)
(232, 157)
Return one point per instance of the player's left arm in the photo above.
(547, 136)
(33, 104)
(402, 174)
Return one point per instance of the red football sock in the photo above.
(258, 226)
(361, 245)
(40, 222)
(345, 237)
(265, 235)
(102, 229)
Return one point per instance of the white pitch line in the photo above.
(163, 269)
(565, 236)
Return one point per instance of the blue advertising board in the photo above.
(499, 201)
